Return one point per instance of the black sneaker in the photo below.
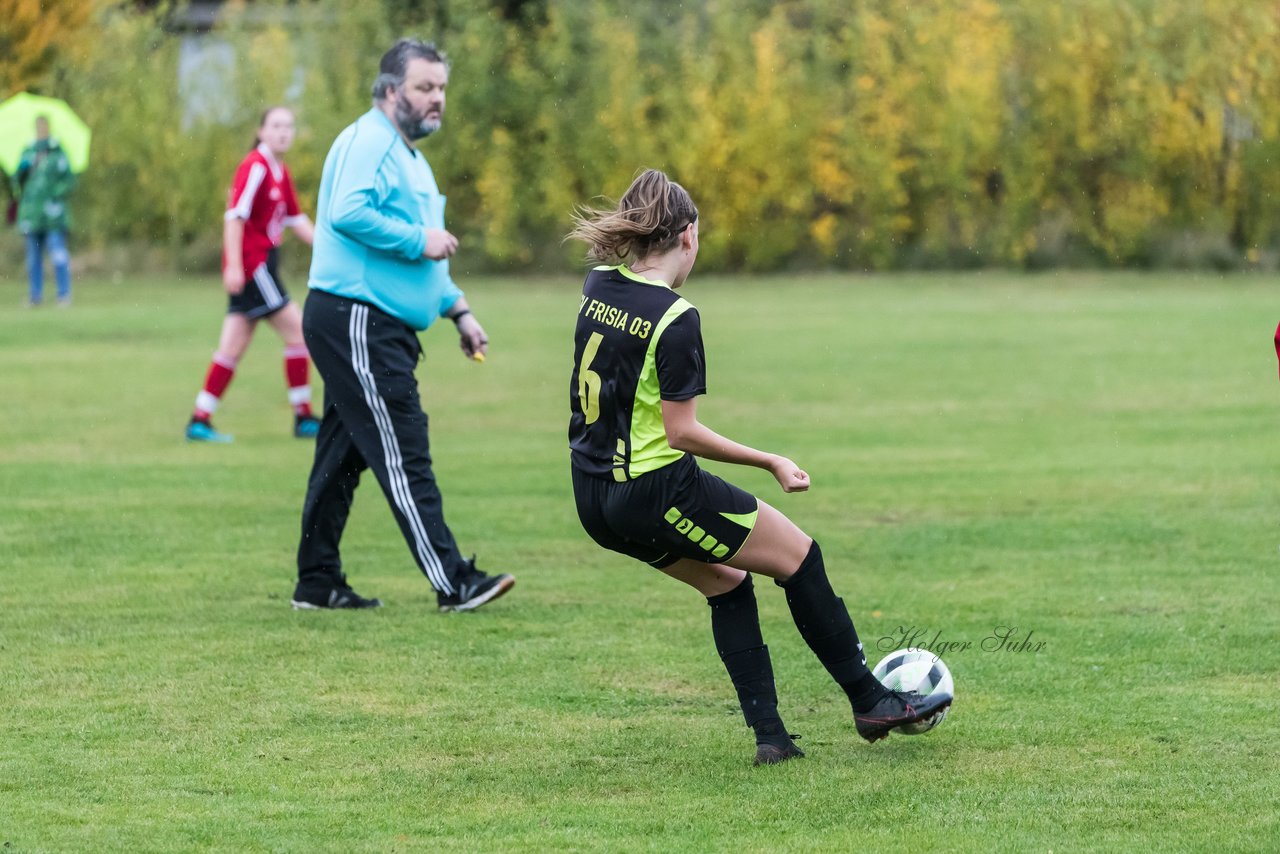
(339, 596)
(895, 709)
(473, 588)
(771, 753)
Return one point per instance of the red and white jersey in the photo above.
(262, 195)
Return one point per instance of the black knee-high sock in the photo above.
(735, 625)
(824, 624)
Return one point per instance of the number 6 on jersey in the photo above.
(589, 380)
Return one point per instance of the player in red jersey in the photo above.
(261, 205)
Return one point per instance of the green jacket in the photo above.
(43, 181)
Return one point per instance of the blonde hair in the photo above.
(648, 219)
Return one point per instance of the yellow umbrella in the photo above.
(18, 129)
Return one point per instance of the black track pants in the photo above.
(373, 419)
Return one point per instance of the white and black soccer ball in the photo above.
(916, 670)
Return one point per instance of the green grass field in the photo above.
(1089, 459)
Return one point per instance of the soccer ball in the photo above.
(916, 670)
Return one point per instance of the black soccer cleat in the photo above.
(338, 596)
(771, 753)
(473, 588)
(897, 708)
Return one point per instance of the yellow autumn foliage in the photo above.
(35, 35)
(850, 134)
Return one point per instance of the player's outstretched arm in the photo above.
(686, 433)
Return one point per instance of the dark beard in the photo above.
(411, 126)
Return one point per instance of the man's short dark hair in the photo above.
(395, 61)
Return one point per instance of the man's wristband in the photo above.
(456, 317)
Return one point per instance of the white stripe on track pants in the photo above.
(373, 419)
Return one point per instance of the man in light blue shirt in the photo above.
(382, 225)
(380, 275)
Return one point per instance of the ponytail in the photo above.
(648, 219)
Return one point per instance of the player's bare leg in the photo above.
(236, 336)
(777, 548)
(709, 579)
(233, 341)
(735, 626)
(297, 365)
(824, 623)
(288, 323)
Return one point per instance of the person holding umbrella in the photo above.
(43, 180)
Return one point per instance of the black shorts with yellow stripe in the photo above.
(677, 511)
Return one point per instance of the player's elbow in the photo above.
(681, 425)
(680, 437)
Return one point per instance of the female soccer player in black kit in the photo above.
(634, 434)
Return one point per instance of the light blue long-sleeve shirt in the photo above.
(377, 196)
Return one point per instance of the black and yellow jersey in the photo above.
(637, 343)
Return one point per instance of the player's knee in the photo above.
(802, 553)
(715, 580)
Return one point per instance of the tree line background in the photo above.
(844, 134)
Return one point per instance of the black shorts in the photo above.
(263, 293)
(675, 512)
